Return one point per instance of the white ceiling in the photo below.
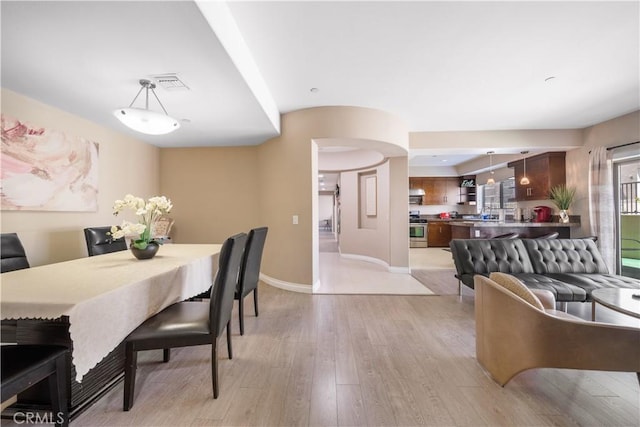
(440, 66)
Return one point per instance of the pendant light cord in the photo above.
(146, 84)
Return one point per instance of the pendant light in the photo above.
(524, 180)
(144, 120)
(491, 181)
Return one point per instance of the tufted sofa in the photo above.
(569, 268)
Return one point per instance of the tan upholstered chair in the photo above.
(516, 332)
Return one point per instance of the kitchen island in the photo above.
(525, 230)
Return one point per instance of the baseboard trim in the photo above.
(287, 286)
(366, 259)
(400, 270)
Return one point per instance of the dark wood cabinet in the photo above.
(442, 190)
(438, 234)
(432, 194)
(544, 172)
(439, 190)
(415, 183)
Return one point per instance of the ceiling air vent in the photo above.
(170, 82)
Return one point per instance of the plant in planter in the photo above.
(562, 196)
(143, 245)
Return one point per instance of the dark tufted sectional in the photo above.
(570, 268)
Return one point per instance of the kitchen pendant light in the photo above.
(524, 180)
(144, 120)
(491, 181)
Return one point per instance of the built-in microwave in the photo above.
(415, 196)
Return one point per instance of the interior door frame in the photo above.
(617, 164)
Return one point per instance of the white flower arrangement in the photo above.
(148, 212)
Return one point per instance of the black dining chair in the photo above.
(250, 271)
(100, 242)
(12, 255)
(190, 323)
(507, 236)
(26, 365)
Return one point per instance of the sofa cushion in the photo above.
(565, 256)
(516, 287)
(562, 291)
(589, 282)
(480, 256)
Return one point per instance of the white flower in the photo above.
(148, 212)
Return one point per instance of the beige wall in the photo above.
(359, 234)
(386, 237)
(620, 130)
(496, 139)
(398, 224)
(286, 171)
(126, 165)
(215, 191)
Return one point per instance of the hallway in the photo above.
(343, 275)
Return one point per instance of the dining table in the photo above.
(92, 304)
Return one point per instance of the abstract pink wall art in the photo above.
(47, 170)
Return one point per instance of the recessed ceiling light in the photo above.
(314, 90)
(443, 160)
(320, 176)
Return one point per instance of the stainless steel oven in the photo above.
(417, 234)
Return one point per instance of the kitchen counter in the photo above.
(467, 223)
(489, 229)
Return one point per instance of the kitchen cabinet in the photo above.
(438, 234)
(415, 183)
(438, 190)
(544, 172)
(441, 190)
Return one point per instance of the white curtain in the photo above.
(602, 210)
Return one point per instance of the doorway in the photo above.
(627, 182)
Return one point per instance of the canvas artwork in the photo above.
(47, 170)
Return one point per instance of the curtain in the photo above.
(602, 209)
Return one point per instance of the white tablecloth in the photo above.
(107, 296)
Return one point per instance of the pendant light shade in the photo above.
(491, 181)
(144, 120)
(524, 180)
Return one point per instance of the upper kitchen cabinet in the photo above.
(438, 190)
(544, 172)
(415, 183)
(441, 190)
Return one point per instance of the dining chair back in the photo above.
(99, 241)
(250, 271)
(190, 323)
(552, 235)
(12, 255)
(26, 365)
(161, 229)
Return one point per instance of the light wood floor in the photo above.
(352, 360)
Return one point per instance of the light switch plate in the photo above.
(295, 220)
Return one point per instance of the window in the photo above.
(501, 195)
